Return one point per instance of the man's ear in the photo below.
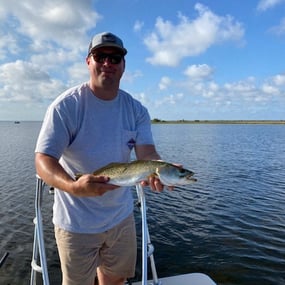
(124, 65)
(87, 60)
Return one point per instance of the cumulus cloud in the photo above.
(240, 93)
(210, 99)
(245, 91)
(264, 5)
(8, 44)
(43, 47)
(18, 81)
(77, 73)
(143, 98)
(164, 83)
(40, 42)
(269, 89)
(58, 22)
(274, 86)
(171, 99)
(231, 96)
(279, 79)
(169, 43)
(199, 72)
(46, 33)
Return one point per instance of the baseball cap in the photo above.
(106, 39)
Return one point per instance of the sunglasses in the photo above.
(112, 57)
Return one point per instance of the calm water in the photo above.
(229, 225)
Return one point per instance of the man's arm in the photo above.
(49, 169)
(146, 152)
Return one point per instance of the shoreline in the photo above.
(158, 121)
(253, 122)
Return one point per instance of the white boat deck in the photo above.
(185, 279)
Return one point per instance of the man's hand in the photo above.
(91, 186)
(155, 184)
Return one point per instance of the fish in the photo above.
(131, 173)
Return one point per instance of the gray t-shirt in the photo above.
(86, 133)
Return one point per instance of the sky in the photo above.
(187, 60)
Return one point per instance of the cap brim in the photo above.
(122, 50)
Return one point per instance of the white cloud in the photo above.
(280, 29)
(269, 89)
(77, 73)
(274, 86)
(247, 93)
(240, 92)
(209, 99)
(164, 83)
(199, 72)
(279, 79)
(169, 43)
(130, 77)
(43, 47)
(25, 82)
(171, 99)
(41, 41)
(143, 98)
(8, 44)
(138, 26)
(49, 24)
(263, 5)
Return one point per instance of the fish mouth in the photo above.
(191, 178)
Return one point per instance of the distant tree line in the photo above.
(159, 121)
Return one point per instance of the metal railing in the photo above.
(39, 261)
(39, 253)
(147, 247)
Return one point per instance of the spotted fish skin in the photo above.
(129, 174)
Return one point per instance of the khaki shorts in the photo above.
(114, 251)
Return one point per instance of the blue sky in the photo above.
(192, 60)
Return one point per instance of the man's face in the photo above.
(106, 66)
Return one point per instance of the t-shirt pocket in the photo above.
(128, 142)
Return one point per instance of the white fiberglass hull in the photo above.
(185, 279)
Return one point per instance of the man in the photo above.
(87, 127)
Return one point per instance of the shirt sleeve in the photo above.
(143, 121)
(55, 134)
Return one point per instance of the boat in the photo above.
(39, 262)
(184, 279)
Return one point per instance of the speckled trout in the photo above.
(128, 174)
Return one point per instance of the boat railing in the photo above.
(147, 246)
(39, 261)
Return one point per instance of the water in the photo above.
(229, 225)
